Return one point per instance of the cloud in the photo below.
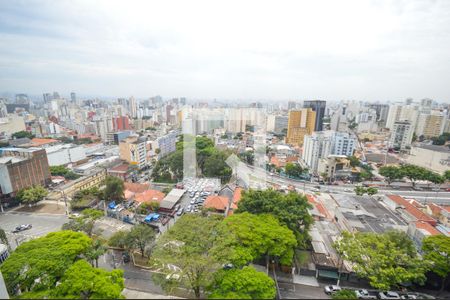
(368, 50)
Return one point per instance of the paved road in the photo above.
(42, 224)
(298, 291)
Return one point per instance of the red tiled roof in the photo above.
(447, 208)
(128, 194)
(150, 195)
(435, 209)
(427, 227)
(237, 195)
(217, 202)
(120, 168)
(136, 187)
(40, 142)
(412, 210)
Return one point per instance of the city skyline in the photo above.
(353, 50)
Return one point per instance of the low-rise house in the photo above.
(407, 210)
(419, 230)
(220, 204)
(441, 213)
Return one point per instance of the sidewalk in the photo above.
(134, 294)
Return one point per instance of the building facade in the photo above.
(318, 106)
(401, 135)
(300, 123)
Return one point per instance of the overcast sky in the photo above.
(364, 50)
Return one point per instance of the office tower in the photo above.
(382, 111)
(401, 135)
(317, 106)
(73, 97)
(47, 97)
(56, 95)
(183, 101)
(300, 123)
(426, 102)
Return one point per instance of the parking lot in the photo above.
(197, 190)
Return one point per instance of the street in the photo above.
(42, 224)
(299, 291)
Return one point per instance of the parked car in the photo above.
(22, 228)
(388, 295)
(348, 190)
(192, 202)
(408, 296)
(180, 212)
(364, 294)
(331, 289)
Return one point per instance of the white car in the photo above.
(331, 289)
(364, 294)
(388, 295)
(348, 190)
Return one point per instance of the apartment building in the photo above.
(133, 150)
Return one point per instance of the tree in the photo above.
(119, 239)
(365, 175)
(344, 294)
(413, 173)
(140, 236)
(391, 173)
(386, 260)
(82, 281)
(245, 283)
(291, 210)
(447, 175)
(181, 254)
(354, 161)
(255, 236)
(32, 194)
(371, 191)
(293, 170)
(437, 250)
(38, 264)
(360, 191)
(114, 189)
(96, 250)
(22, 134)
(4, 238)
(84, 223)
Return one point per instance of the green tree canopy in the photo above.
(38, 264)
(186, 251)
(140, 237)
(114, 189)
(391, 173)
(291, 210)
(293, 169)
(245, 283)
(447, 175)
(32, 194)
(82, 281)
(344, 294)
(437, 250)
(22, 134)
(3, 237)
(254, 236)
(84, 223)
(414, 173)
(386, 260)
(354, 161)
(119, 239)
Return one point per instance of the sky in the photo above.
(364, 50)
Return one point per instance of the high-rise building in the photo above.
(382, 111)
(292, 105)
(73, 97)
(56, 95)
(431, 124)
(401, 135)
(132, 107)
(121, 123)
(401, 112)
(324, 143)
(22, 99)
(300, 123)
(277, 123)
(318, 106)
(133, 150)
(47, 97)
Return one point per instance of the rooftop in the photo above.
(149, 195)
(217, 202)
(436, 148)
(136, 187)
(427, 227)
(411, 209)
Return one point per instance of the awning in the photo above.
(328, 274)
(112, 205)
